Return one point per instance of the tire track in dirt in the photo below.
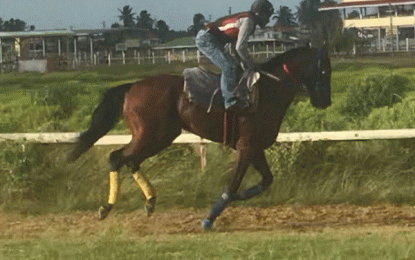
(188, 221)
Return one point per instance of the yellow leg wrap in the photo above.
(144, 184)
(114, 187)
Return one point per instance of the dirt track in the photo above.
(185, 221)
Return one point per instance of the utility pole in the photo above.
(391, 27)
(230, 10)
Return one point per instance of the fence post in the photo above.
(154, 59)
(407, 44)
(109, 59)
(202, 150)
(1, 57)
(184, 56)
(169, 57)
(198, 56)
(138, 58)
(44, 48)
(123, 58)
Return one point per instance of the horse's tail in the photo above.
(105, 116)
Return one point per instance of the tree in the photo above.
(332, 22)
(145, 21)
(325, 25)
(199, 21)
(308, 14)
(162, 29)
(127, 16)
(13, 25)
(115, 26)
(285, 17)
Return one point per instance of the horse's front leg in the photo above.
(242, 163)
(261, 165)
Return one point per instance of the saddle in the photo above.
(203, 86)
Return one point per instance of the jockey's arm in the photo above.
(246, 29)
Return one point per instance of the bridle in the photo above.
(301, 86)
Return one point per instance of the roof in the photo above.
(52, 33)
(353, 4)
(62, 32)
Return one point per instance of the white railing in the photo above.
(64, 138)
(352, 135)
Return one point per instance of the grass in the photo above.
(329, 244)
(359, 172)
(185, 41)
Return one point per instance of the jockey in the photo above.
(234, 29)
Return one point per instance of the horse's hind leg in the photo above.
(148, 190)
(141, 147)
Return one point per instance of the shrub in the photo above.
(63, 96)
(372, 92)
(401, 115)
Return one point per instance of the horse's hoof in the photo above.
(207, 224)
(150, 206)
(103, 212)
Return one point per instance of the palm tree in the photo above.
(127, 16)
(324, 24)
(198, 23)
(332, 22)
(308, 14)
(285, 17)
(145, 21)
(162, 29)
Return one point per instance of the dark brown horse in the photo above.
(157, 110)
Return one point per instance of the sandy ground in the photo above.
(188, 221)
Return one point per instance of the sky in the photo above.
(92, 14)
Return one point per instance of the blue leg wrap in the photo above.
(217, 208)
(249, 193)
(207, 224)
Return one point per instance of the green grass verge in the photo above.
(368, 245)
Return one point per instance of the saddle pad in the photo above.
(203, 86)
(200, 85)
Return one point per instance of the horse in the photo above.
(156, 110)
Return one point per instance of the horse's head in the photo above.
(307, 68)
(317, 78)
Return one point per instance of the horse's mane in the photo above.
(279, 59)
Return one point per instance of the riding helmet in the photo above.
(263, 9)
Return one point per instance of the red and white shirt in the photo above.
(236, 28)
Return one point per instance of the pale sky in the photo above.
(91, 14)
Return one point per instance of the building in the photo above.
(385, 24)
(64, 49)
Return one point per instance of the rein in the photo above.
(269, 75)
(298, 83)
